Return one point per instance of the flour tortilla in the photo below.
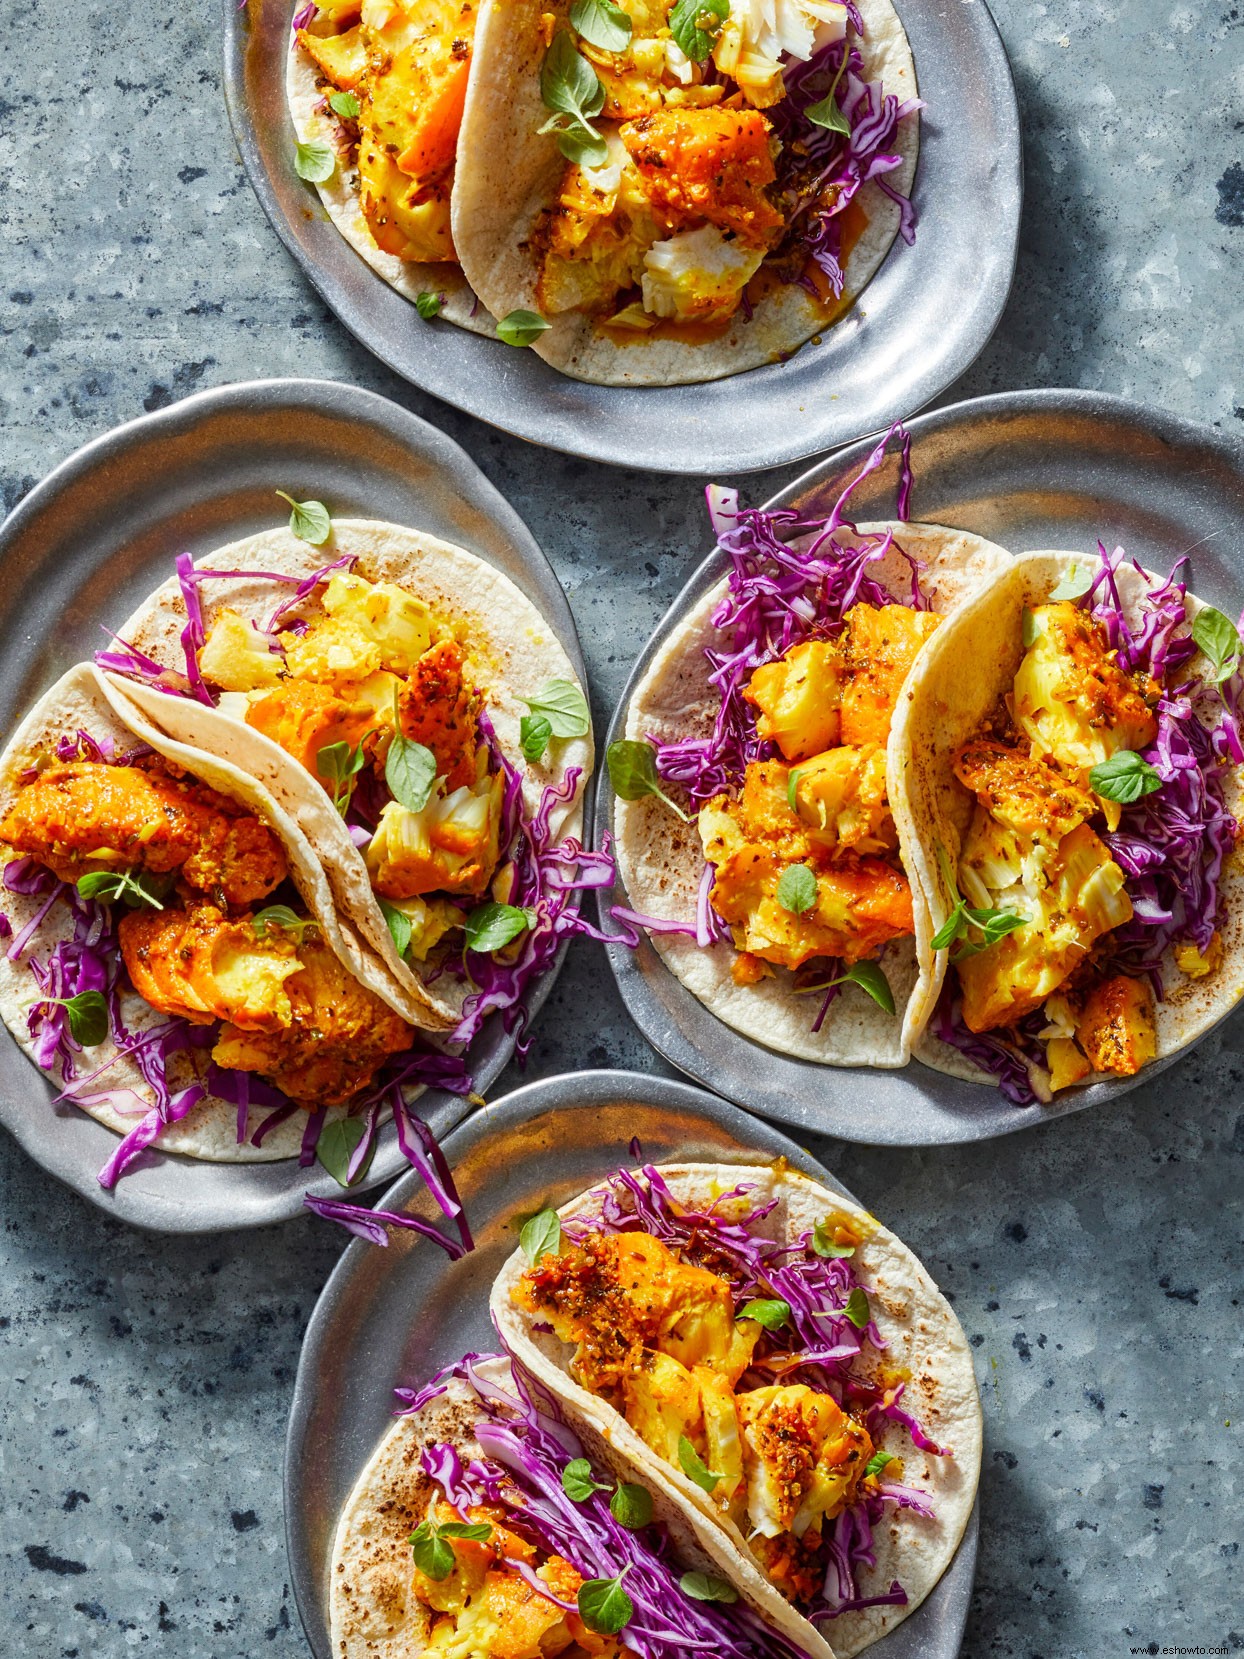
(967, 667)
(315, 124)
(924, 1341)
(511, 651)
(660, 859)
(372, 1612)
(82, 700)
(509, 174)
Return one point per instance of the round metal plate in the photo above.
(1028, 470)
(97, 535)
(921, 321)
(391, 1317)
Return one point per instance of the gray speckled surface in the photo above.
(1096, 1264)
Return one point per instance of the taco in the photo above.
(680, 190)
(173, 952)
(1072, 774)
(484, 1525)
(415, 714)
(755, 833)
(375, 94)
(765, 1353)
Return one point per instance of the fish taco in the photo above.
(1073, 777)
(485, 1525)
(173, 959)
(419, 719)
(376, 93)
(765, 1353)
(756, 836)
(665, 191)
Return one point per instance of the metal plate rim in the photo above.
(242, 400)
(533, 402)
(585, 1088)
(630, 968)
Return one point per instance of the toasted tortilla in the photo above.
(84, 701)
(660, 859)
(315, 123)
(509, 174)
(925, 1343)
(959, 677)
(372, 1613)
(510, 651)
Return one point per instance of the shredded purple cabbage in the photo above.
(527, 1444)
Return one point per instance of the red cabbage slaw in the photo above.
(1171, 844)
(549, 875)
(90, 960)
(818, 1347)
(526, 1444)
(823, 170)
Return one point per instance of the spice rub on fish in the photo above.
(89, 815)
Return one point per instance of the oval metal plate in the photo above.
(1028, 470)
(921, 321)
(390, 1317)
(98, 534)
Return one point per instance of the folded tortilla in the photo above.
(660, 859)
(509, 174)
(925, 1344)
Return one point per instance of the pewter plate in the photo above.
(1030, 470)
(102, 531)
(921, 321)
(391, 1317)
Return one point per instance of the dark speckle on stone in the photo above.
(244, 1519)
(92, 1609)
(22, 296)
(73, 1499)
(1020, 1344)
(1152, 1497)
(43, 1561)
(187, 175)
(1230, 209)
(1173, 1294)
(1016, 1231)
(1095, 1398)
(1008, 1460)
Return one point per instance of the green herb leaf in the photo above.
(792, 788)
(534, 734)
(951, 927)
(694, 1467)
(826, 114)
(695, 25)
(433, 1556)
(134, 889)
(520, 328)
(281, 917)
(857, 1309)
(88, 1017)
(1074, 583)
(337, 764)
(869, 977)
(577, 1481)
(1031, 629)
(568, 83)
(314, 162)
(428, 305)
(344, 104)
(308, 520)
(992, 926)
(564, 706)
(541, 1236)
(825, 1246)
(337, 1145)
(796, 890)
(1217, 636)
(601, 24)
(633, 773)
(878, 1460)
(604, 1605)
(399, 926)
(582, 146)
(1124, 777)
(492, 926)
(410, 772)
(631, 1506)
(707, 1587)
(771, 1312)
